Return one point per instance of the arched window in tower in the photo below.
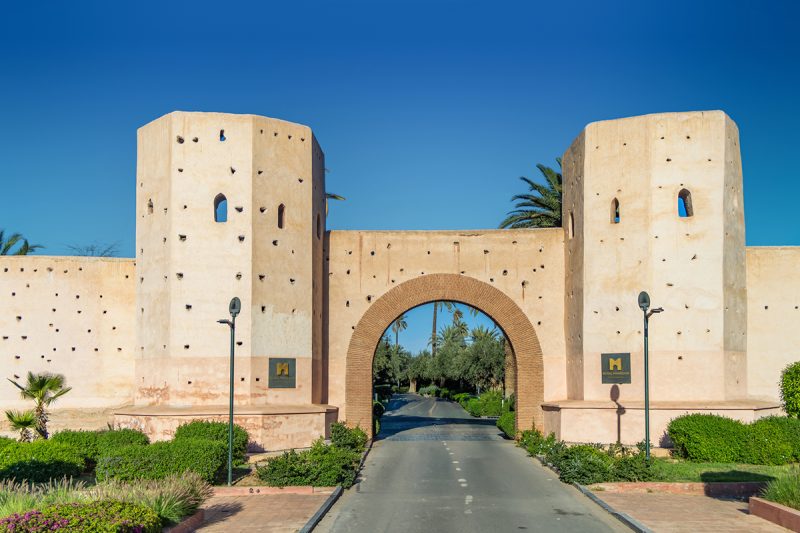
(615, 211)
(319, 227)
(281, 215)
(220, 208)
(685, 204)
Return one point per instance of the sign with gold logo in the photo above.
(282, 373)
(615, 367)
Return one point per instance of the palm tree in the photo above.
(331, 196)
(43, 389)
(6, 244)
(541, 206)
(457, 315)
(24, 422)
(400, 324)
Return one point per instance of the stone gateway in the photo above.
(235, 205)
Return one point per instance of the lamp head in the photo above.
(644, 301)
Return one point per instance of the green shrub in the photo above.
(707, 438)
(208, 458)
(216, 431)
(785, 490)
(462, 398)
(790, 389)
(384, 391)
(94, 517)
(84, 441)
(490, 403)
(5, 441)
(583, 464)
(765, 446)
(109, 441)
(532, 441)
(40, 461)
(786, 426)
(22, 496)
(631, 467)
(320, 466)
(429, 390)
(507, 424)
(353, 439)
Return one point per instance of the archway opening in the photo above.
(511, 322)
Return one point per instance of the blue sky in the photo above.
(428, 111)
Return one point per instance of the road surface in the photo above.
(434, 468)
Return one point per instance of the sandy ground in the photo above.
(71, 419)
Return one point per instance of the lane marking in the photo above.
(462, 480)
(468, 499)
(464, 485)
(458, 469)
(455, 462)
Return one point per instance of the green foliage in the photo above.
(536, 444)
(5, 441)
(541, 207)
(108, 441)
(383, 391)
(208, 458)
(23, 421)
(507, 424)
(95, 517)
(430, 390)
(44, 389)
(707, 438)
(172, 498)
(353, 439)
(7, 244)
(93, 444)
(790, 389)
(462, 398)
(785, 490)
(40, 461)
(490, 403)
(21, 496)
(216, 431)
(631, 467)
(679, 470)
(320, 466)
(583, 464)
(712, 438)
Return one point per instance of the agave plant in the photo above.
(43, 389)
(24, 422)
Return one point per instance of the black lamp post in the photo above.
(644, 305)
(234, 308)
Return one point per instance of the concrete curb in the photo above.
(324, 508)
(629, 521)
(188, 524)
(775, 513)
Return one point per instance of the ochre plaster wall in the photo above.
(72, 316)
(773, 316)
(526, 265)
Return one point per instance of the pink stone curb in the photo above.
(255, 491)
(744, 489)
(775, 513)
(187, 525)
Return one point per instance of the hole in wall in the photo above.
(180, 139)
(221, 135)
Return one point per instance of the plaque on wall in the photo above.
(282, 373)
(615, 367)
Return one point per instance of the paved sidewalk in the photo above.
(273, 513)
(672, 513)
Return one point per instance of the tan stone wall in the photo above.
(525, 265)
(71, 316)
(191, 266)
(773, 317)
(690, 266)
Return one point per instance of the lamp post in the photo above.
(234, 308)
(644, 305)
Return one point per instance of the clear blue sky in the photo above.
(428, 111)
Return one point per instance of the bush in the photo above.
(707, 438)
(216, 431)
(633, 467)
(94, 443)
(22, 496)
(108, 441)
(5, 441)
(40, 461)
(785, 490)
(790, 389)
(583, 464)
(208, 458)
(378, 409)
(507, 424)
(765, 446)
(321, 466)
(788, 427)
(353, 439)
(462, 398)
(490, 403)
(94, 517)
(429, 390)
(536, 444)
(384, 391)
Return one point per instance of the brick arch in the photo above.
(453, 287)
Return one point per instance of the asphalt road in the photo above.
(434, 468)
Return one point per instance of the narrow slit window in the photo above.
(220, 208)
(319, 227)
(571, 226)
(281, 215)
(615, 218)
(685, 204)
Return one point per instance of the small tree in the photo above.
(790, 389)
(43, 389)
(24, 422)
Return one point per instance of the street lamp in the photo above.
(644, 305)
(234, 308)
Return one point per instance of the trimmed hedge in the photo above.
(216, 431)
(92, 517)
(507, 424)
(40, 461)
(790, 389)
(208, 458)
(717, 439)
(490, 403)
(93, 444)
(353, 439)
(321, 466)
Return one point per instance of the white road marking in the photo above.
(455, 462)
(464, 485)
(458, 469)
(468, 511)
(462, 480)
(468, 499)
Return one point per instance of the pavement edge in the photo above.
(629, 521)
(324, 508)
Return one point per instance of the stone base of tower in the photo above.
(607, 422)
(271, 427)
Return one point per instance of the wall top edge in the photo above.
(227, 116)
(671, 115)
(68, 258)
(459, 233)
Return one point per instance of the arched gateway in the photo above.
(452, 287)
